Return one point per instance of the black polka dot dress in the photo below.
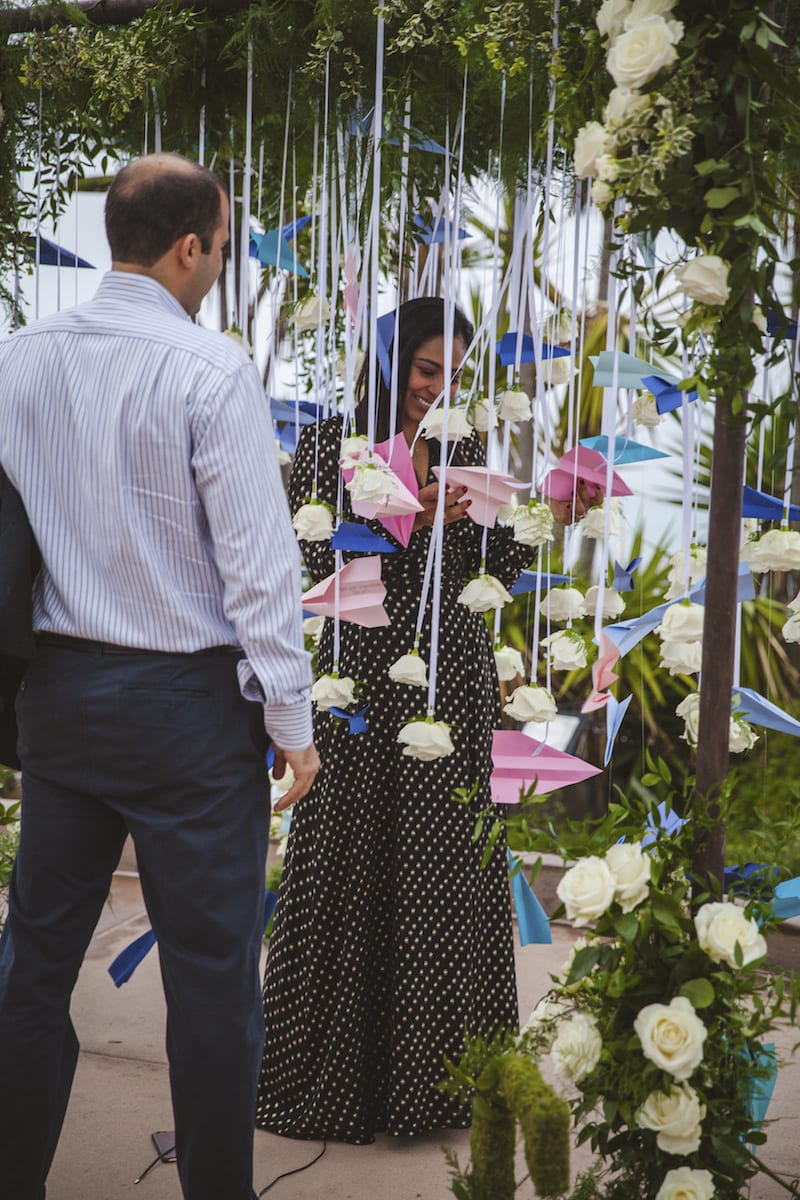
(389, 940)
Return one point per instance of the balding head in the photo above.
(156, 200)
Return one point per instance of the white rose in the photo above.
(601, 193)
(330, 691)
(610, 19)
(543, 1019)
(630, 870)
(592, 141)
(721, 926)
(672, 1036)
(352, 451)
(741, 736)
(645, 410)
(647, 8)
(776, 550)
(577, 1046)
(279, 787)
(640, 53)
(410, 669)
(613, 604)
(704, 279)
(508, 661)
(791, 630)
(483, 593)
(309, 312)
(483, 417)
(312, 627)
(682, 623)
(687, 1183)
(557, 370)
(677, 575)
(624, 104)
(689, 709)
(372, 484)
(426, 740)
(794, 605)
(607, 168)
(681, 658)
(567, 650)
(586, 890)
(514, 406)
(676, 1117)
(284, 457)
(564, 604)
(593, 524)
(531, 703)
(313, 522)
(458, 424)
(533, 524)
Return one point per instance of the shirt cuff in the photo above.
(289, 725)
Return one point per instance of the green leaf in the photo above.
(583, 962)
(721, 197)
(699, 992)
(709, 164)
(627, 926)
(667, 913)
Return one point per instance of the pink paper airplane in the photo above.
(401, 503)
(519, 760)
(602, 675)
(397, 453)
(583, 464)
(486, 489)
(361, 594)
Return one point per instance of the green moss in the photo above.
(544, 1120)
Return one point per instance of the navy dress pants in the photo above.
(164, 747)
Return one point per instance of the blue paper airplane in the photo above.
(360, 538)
(273, 250)
(667, 393)
(52, 255)
(626, 451)
(766, 508)
(527, 582)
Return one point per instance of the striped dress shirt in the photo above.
(144, 452)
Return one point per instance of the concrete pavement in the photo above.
(121, 1095)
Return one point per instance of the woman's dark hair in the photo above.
(417, 321)
(154, 201)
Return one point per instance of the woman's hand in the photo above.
(585, 496)
(454, 507)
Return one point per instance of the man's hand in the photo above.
(304, 764)
(454, 507)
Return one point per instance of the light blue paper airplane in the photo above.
(759, 711)
(665, 821)
(629, 370)
(534, 927)
(615, 711)
(786, 902)
(761, 1086)
(623, 576)
(626, 451)
(273, 250)
(432, 235)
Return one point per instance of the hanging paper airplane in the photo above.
(766, 508)
(623, 576)
(486, 489)
(587, 465)
(629, 370)
(507, 350)
(779, 325)
(615, 712)
(532, 923)
(273, 250)
(520, 761)
(360, 539)
(436, 234)
(527, 582)
(52, 255)
(361, 594)
(759, 711)
(667, 393)
(626, 450)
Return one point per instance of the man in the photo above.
(142, 448)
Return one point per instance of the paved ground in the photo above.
(121, 1096)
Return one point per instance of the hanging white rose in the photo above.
(681, 658)
(682, 623)
(426, 740)
(613, 604)
(672, 1036)
(676, 578)
(577, 1047)
(689, 709)
(644, 411)
(313, 522)
(557, 370)
(310, 312)
(647, 8)
(623, 105)
(630, 870)
(687, 1183)
(794, 605)
(704, 279)
(593, 524)
(566, 650)
(721, 926)
(458, 424)
(610, 19)
(591, 141)
(371, 483)
(284, 457)
(331, 691)
(514, 406)
(484, 592)
(483, 417)
(564, 604)
(775, 550)
(676, 1117)
(353, 450)
(410, 669)
(741, 736)
(586, 890)
(533, 524)
(312, 627)
(531, 703)
(791, 630)
(508, 661)
(641, 52)
(602, 193)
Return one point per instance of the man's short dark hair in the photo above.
(154, 201)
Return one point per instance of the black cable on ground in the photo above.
(296, 1170)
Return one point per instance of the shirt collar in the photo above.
(133, 288)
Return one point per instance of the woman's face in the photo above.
(426, 378)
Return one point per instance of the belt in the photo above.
(88, 646)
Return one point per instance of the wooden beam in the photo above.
(99, 12)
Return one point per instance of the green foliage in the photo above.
(9, 840)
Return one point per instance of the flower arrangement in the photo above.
(656, 1025)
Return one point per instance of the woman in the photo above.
(390, 941)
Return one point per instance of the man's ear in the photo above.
(187, 250)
